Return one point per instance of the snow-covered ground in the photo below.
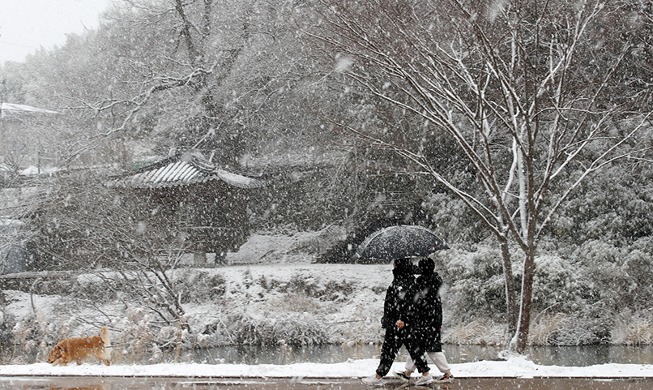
(271, 281)
(513, 367)
(277, 260)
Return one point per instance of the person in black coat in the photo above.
(427, 322)
(398, 316)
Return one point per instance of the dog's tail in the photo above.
(104, 335)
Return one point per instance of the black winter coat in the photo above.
(398, 304)
(427, 321)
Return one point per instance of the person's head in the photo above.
(401, 263)
(403, 267)
(426, 266)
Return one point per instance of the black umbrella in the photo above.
(399, 242)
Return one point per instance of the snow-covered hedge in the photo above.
(581, 296)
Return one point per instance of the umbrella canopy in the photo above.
(399, 242)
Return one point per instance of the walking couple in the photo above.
(412, 316)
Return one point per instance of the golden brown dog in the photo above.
(77, 349)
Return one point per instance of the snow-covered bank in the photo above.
(514, 367)
(270, 294)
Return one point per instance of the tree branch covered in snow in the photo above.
(504, 82)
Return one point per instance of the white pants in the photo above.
(438, 359)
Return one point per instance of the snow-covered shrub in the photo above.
(357, 324)
(608, 285)
(573, 296)
(199, 286)
(599, 278)
(608, 207)
(3, 304)
(337, 291)
(582, 331)
(307, 285)
(299, 329)
(293, 329)
(270, 284)
(644, 244)
(137, 339)
(33, 336)
(315, 288)
(157, 354)
(7, 323)
(475, 280)
(171, 337)
(296, 302)
(248, 330)
(596, 252)
(637, 267)
(96, 289)
(216, 334)
(264, 282)
(558, 285)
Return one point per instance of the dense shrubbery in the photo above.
(199, 286)
(582, 299)
(475, 281)
(294, 329)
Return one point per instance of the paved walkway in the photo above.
(119, 383)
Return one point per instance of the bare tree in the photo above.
(86, 227)
(508, 82)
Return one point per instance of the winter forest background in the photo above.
(518, 131)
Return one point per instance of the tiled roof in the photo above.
(184, 170)
(11, 110)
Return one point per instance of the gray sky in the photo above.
(27, 25)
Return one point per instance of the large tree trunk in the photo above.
(520, 340)
(511, 296)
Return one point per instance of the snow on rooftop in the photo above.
(185, 169)
(238, 180)
(11, 109)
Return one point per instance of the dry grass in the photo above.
(479, 332)
(295, 302)
(630, 330)
(545, 329)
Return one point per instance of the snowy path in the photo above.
(514, 367)
(100, 383)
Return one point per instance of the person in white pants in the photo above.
(438, 358)
(427, 327)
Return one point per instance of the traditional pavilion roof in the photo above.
(11, 110)
(184, 169)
